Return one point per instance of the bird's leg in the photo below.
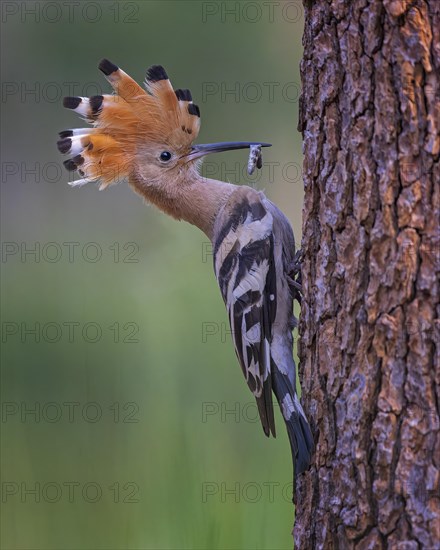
(294, 276)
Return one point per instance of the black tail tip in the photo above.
(156, 73)
(71, 102)
(107, 67)
(304, 444)
(302, 464)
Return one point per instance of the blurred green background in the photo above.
(126, 421)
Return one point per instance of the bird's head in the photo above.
(145, 135)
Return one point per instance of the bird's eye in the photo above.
(165, 156)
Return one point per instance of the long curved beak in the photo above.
(207, 148)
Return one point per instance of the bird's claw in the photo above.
(296, 264)
(294, 277)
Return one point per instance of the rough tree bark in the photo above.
(370, 118)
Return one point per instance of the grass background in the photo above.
(138, 423)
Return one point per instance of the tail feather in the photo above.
(298, 429)
(265, 409)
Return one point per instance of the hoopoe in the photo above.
(146, 137)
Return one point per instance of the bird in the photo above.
(146, 135)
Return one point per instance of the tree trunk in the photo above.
(369, 333)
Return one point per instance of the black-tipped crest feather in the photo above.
(107, 67)
(71, 102)
(193, 109)
(69, 165)
(64, 145)
(156, 73)
(65, 133)
(95, 103)
(183, 95)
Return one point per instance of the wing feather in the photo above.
(245, 270)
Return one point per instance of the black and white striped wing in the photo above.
(245, 270)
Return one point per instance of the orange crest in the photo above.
(123, 121)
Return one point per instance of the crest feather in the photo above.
(183, 116)
(129, 117)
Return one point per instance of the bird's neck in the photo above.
(190, 197)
